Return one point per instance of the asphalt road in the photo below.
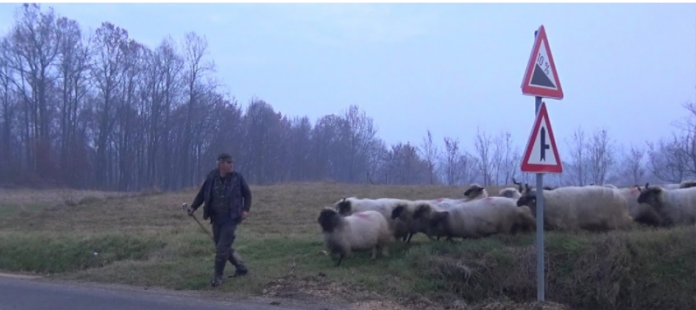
(30, 294)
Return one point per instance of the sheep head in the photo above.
(422, 211)
(328, 219)
(343, 207)
(650, 195)
(528, 198)
(438, 223)
(473, 191)
(508, 192)
(398, 211)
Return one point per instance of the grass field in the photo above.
(147, 240)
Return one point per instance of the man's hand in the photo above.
(245, 214)
(190, 211)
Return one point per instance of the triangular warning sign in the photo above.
(540, 77)
(541, 155)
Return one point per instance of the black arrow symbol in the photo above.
(544, 146)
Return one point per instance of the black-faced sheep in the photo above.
(361, 231)
(687, 184)
(474, 192)
(481, 218)
(640, 212)
(594, 208)
(676, 207)
(404, 212)
(384, 206)
(423, 216)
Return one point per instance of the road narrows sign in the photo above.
(541, 78)
(541, 155)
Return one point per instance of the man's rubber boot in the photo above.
(238, 263)
(219, 269)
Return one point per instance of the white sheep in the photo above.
(594, 208)
(384, 206)
(676, 207)
(481, 218)
(510, 192)
(474, 192)
(361, 231)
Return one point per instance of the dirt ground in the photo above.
(313, 288)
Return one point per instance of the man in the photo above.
(227, 201)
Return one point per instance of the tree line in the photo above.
(103, 111)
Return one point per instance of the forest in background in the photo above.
(102, 111)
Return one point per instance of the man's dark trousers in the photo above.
(224, 235)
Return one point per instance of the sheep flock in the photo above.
(361, 224)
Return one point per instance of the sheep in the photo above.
(423, 213)
(384, 206)
(593, 208)
(357, 232)
(481, 218)
(404, 212)
(676, 207)
(510, 192)
(687, 184)
(474, 192)
(640, 212)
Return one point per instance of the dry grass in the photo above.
(147, 240)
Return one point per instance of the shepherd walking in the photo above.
(227, 200)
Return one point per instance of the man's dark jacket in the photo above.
(240, 199)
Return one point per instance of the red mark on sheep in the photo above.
(361, 215)
(489, 198)
(440, 199)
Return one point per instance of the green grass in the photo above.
(148, 241)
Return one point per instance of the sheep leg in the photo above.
(340, 258)
(374, 253)
(408, 240)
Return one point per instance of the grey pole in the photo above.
(539, 217)
(540, 225)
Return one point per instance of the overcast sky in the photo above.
(447, 67)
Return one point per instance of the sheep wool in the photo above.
(384, 206)
(594, 208)
(360, 231)
(482, 218)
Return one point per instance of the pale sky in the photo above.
(446, 67)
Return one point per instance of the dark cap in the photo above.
(224, 156)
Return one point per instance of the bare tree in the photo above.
(666, 159)
(579, 159)
(429, 152)
(486, 157)
(633, 168)
(601, 151)
(510, 158)
(451, 165)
